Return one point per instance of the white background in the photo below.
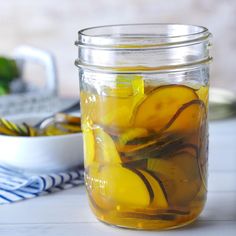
(53, 25)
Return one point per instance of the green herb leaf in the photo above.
(8, 69)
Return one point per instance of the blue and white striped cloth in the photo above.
(15, 186)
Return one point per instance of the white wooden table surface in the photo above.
(67, 213)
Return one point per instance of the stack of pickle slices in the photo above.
(146, 150)
(59, 124)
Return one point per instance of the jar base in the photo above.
(150, 225)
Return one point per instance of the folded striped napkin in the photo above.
(16, 186)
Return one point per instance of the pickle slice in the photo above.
(9, 128)
(52, 130)
(180, 176)
(188, 119)
(125, 186)
(89, 147)
(131, 139)
(160, 148)
(6, 131)
(114, 104)
(202, 93)
(160, 105)
(160, 199)
(105, 149)
(131, 134)
(128, 91)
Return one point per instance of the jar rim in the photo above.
(142, 35)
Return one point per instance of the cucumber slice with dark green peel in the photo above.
(180, 176)
(160, 105)
(155, 150)
(160, 197)
(31, 131)
(136, 164)
(9, 128)
(146, 181)
(118, 185)
(141, 140)
(188, 118)
(131, 134)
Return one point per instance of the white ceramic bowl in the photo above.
(41, 154)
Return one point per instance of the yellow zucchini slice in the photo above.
(155, 111)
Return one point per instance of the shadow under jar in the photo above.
(144, 101)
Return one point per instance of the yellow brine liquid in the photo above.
(145, 152)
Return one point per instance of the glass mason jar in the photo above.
(144, 103)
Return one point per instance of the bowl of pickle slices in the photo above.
(33, 144)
